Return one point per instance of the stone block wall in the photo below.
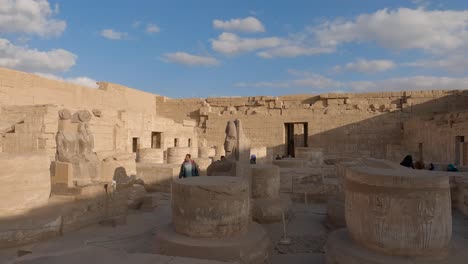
(353, 123)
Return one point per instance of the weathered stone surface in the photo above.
(401, 212)
(265, 181)
(25, 182)
(151, 155)
(251, 248)
(118, 165)
(157, 177)
(210, 206)
(136, 196)
(206, 152)
(341, 249)
(314, 156)
(462, 192)
(203, 164)
(176, 155)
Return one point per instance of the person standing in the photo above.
(188, 168)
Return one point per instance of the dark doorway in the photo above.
(460, 150)
(135, 144)
(296, 136)
(420, 152)
(156, 139)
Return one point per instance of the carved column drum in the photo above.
(211, 206)
(151, 155)
(265, 181)
(176, 155)
(400, 212)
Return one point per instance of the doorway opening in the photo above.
(156, 139)
(296, 135)
(135, 144)
(460, 151)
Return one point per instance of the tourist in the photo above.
(419, 165)
(452, 168)
(407, 162)
(278, 157)
(223, 158)
(188, 168)
(431, 166)
(253, 159)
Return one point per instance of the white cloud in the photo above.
(152, 28)
(306, 80)
(229, 43)
(367, 66)
(31, 17)
(82, 81)
(248, 24)
(136, 23)
(112, 34)
(189, 59)
(411, 83)
(33, 60)
(453, 63)
(290, 51)
(432, 31)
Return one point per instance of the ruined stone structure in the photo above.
(268, 205)
(394, 215)
(211, 220)
(74, 156)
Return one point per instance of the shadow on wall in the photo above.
(429, 130)
(443, 119)
(69, 209)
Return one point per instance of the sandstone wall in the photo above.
(29, 115)
(338, 123)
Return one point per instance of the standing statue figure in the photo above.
(66, 139)
(88, 160)
(75, 144)
(230, 143)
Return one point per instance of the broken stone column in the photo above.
(203, 164)
(395, 215)
(336, 204)
(211, 220)
(462, 191)
(206, 152)
(176, 155)
(268, 205)
(151, 155)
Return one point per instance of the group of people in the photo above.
(408, 162)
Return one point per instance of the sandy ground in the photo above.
(133, 242)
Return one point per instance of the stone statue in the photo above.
(230, 143)
(88, 160)
(75, 144)
(66, 139)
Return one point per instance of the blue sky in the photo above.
(227, 48)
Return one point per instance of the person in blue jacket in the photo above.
(188, 168)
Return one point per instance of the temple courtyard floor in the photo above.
(132, 242)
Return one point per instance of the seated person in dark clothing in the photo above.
(278, 157)
(407, 162)
(452, 168)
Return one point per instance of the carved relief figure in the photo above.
(75, 144)
(88, 159)
(66, 138)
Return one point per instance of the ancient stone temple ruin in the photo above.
(92, 175)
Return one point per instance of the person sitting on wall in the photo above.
(253, 159)
(188, 168)
(278, 157)
(407, 162)
(452, 168)
(419, 165)
(431, 167)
